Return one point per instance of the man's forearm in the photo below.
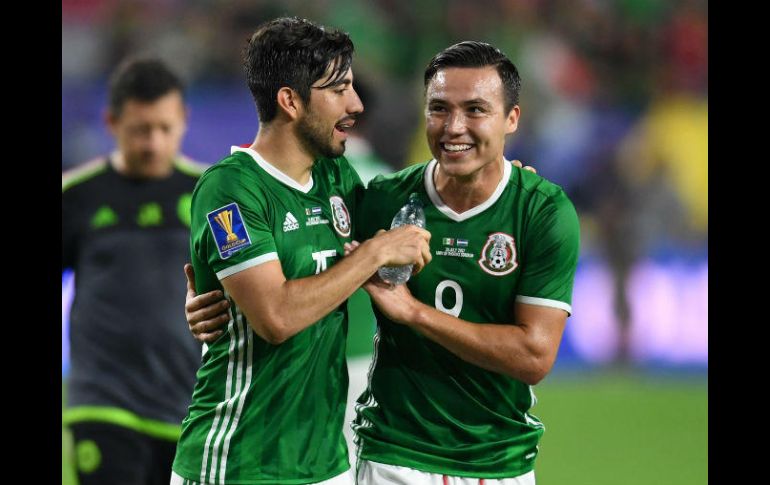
(278, 309)
(518, 351)
(307, 300)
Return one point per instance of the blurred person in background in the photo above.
(359, 151)
(269, 224)
(125, 225)
(651, 197)
(459, 347)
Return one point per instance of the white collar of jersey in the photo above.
(430, 187)
(277, 174)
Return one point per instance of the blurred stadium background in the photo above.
(614, 109)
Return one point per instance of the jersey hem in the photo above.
(511, 473)
(262, 481)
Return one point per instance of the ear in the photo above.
(110, 120)
(289, 102)
(512, 120)
(185, 117)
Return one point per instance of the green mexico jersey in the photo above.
(425, 408)
(264, 413)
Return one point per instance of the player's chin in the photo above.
(458, 167)
(337, 148)
(154, 165)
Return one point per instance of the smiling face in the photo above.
(323, 126)
(466, 121)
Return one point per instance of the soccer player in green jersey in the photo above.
(460, 345)
(269, 223)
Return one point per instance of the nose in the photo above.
(153, 140)
(356, 106)
(455, 124)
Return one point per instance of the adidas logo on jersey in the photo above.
(290, 223)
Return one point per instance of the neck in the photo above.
(279, 146)
(462, 193)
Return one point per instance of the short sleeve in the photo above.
(231, 223)
(552, 247)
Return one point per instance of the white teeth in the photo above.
(456, 148)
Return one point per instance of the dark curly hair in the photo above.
(293, 52)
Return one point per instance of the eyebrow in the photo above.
(475, 101)
(469, 102)
(340, 82)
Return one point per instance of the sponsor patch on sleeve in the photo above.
(226, 224)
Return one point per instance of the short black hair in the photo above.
(293, 52)
(479, 54)
(144, 79)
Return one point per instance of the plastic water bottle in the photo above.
(411, 213)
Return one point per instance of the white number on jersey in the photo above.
(455, 310)
(320, 259)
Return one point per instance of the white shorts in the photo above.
(345, 478)
(373, 473)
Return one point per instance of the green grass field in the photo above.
(623, 428)
(611, 427)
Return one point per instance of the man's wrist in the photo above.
(418, 314)
(373, 252)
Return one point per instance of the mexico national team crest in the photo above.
(226, 224)
(340, 215)
(498, 257)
